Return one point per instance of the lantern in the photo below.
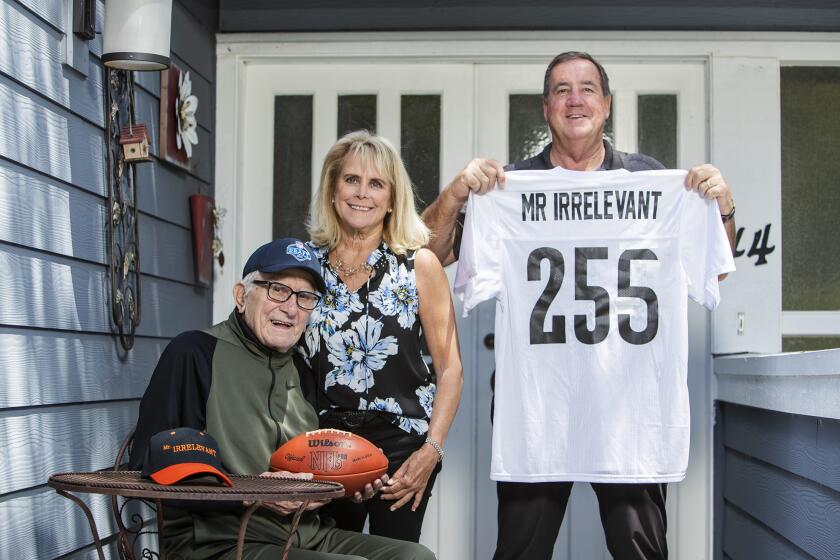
(137, 34)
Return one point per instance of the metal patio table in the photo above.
(260, 491)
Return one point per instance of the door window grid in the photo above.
(420, 144)
(356, 112)
(810, 119)
(292, 165)
(657, 127)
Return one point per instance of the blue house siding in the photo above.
(778, 482)
(68, 392)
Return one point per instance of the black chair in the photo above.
(128, 533)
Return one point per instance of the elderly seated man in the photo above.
(239, 381)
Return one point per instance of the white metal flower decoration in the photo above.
(185, 106)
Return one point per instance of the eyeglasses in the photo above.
(281, 292)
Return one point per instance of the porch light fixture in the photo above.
(137, 34)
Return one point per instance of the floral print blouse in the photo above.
(364, 347)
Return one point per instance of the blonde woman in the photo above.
(385, 294)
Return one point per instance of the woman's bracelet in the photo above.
(437, 447)
(729, 215)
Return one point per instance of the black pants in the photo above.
(530, 515)
(397, 445)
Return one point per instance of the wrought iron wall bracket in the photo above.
(123, 242)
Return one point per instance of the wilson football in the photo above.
(334, 456)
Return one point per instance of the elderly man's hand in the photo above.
(287, 507)
(479, 176)
(370, 490)
(708, 181)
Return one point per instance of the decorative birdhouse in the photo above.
(135, 143)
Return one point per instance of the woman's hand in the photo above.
(410, 480)
(437, 317)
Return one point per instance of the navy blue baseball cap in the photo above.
(183, 453)
(283, 254)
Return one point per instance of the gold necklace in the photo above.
(350, 271)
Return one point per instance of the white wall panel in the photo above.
(746, 146)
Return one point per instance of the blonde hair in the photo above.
(403, 229)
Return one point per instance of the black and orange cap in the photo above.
(182, 453)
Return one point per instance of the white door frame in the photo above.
(743, 134)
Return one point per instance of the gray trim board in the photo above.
(819, 362)
(810, 395)
(401, 15)
(806, 383)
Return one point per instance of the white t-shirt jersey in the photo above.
(590, 272)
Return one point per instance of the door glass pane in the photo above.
(420, 144)
(356, 112)
(528, 132)
(810, 105)
(806, 343)
(292, 165)
(657, 127)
